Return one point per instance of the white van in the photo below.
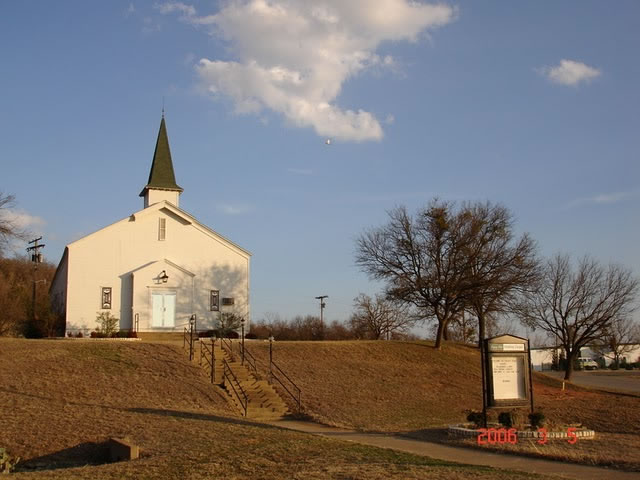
(587, 363)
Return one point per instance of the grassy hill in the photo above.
(61, 399)
(404, 386)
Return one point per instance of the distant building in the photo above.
(154, 269)
(542, 357)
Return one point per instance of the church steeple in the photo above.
(162, 180)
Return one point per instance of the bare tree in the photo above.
(621, 337)
(500, 265)
(380, 317)
(578, 306)
(8, 227)
(446, 260)
(418, 257)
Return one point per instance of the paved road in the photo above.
(625, 380)
(462, 455)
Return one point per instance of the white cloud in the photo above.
(603, 198)
(234, 209)
(170, 7)
(570, 73)
(293, 56)
(21, 220)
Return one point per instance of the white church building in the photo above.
(155, 268)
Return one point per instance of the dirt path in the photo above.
(462, 455)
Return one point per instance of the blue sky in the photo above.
(533, 105)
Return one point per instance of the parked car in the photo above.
(587, 363)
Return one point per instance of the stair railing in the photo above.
(228, 346)
(296, 394)
(208, 353)
(231, 380)
(251, 361)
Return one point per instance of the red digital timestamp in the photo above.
(490, 436)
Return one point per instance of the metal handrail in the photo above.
(228, 346)
(299, 392)
(210, 357)
(227, 370)
(251, 360)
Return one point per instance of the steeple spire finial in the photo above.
(162, 176)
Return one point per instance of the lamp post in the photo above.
(242, 322)
(271, 339)
(192, 324)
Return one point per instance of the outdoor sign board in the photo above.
(507, 372)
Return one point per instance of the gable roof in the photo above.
(186, 217)
(162, 176)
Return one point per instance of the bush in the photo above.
(477, 418)
(509, 419)
(79, 335)
(207, 333)
(97, 334)
(108, 323)
(7, 462)
(536, 419)
(132, 334)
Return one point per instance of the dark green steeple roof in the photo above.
(161, 176)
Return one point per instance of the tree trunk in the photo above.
(481, 332)
(571, 356)
(439, 334)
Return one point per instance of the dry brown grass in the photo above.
(61, 399)
(410, 387)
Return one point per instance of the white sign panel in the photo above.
(508, 378)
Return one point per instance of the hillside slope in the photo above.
(61, 399)
(404, 386)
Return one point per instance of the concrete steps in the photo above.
(264, 403)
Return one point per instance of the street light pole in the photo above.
(322, 305)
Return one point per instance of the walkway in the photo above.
(461, 455)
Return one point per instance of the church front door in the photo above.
(164, 309)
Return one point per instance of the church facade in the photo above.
(155, 269)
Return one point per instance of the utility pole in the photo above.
(322, 305)
(36, 258)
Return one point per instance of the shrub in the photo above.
(97, 334)
(132, 334)
(206, 334)
(251, 336)
(509, 419)
(477, 418)
(79, 335)
(108, 323)
(7, 462)
(536, 419)
(69, 334)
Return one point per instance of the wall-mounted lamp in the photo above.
(163, 276)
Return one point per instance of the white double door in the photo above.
(164, 309)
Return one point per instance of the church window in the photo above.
(214, 304)
(162, 228)
(106, 298)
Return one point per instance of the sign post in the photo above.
(506, 373)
